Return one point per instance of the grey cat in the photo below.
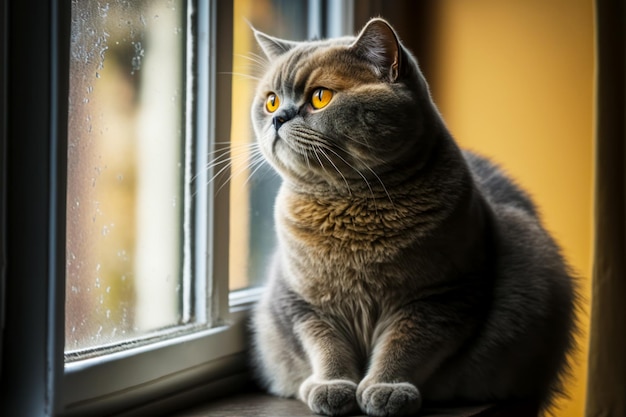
(407, 272)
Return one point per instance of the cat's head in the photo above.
(342, 110)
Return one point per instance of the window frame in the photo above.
(190, 355)
(203, 363)
(33, 359)
(3, 164)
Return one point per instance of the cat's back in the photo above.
(497, 186)
(533, 303)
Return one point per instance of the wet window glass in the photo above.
(125, 171)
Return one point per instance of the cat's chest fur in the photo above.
(350, 248)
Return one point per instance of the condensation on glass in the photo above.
(125, 171)
(253, 187)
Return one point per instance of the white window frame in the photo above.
(205, 362)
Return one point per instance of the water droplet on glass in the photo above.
(105, 230)
(136, 60)
(104, 9)
(97, 74)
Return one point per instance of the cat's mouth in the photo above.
(310, 153)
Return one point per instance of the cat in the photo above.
(407, 271)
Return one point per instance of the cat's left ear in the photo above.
(273, 47)
(379, 44)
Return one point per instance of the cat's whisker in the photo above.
(255, 58)
(328, 147)
(359, 142)
(253, 68)
(254, 167)
(319, 160)
(241, 74)
(382, 184)
(254, 160)
(308, 162)
(256, 63)
(320, 142)
(371, 151)
(361, 175)
(335, 166)
(226, 155)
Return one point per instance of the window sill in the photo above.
(258, 404)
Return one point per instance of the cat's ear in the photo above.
(379, 44)
(273, 47)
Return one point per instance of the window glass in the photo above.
(126, 169)
(253, 183)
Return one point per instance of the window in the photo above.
(3, 164)
(126, 172)
(118, 224)
(253, 185)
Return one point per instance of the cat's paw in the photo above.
(332, 398)
(386, 399)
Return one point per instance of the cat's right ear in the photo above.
(273, 47)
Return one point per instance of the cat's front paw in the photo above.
(332, 398)
(387, 399)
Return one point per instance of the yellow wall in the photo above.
(514, 81)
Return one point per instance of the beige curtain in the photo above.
(606, 390)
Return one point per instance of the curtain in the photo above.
(606, 389)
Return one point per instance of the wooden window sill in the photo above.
(257, 404)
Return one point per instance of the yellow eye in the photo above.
(272, 103)
(321, 98)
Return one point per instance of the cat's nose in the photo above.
(282, 117)
(278, 122)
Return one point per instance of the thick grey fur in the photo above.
(407, 272)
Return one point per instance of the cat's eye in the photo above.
(272, 103)
(321, 97)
